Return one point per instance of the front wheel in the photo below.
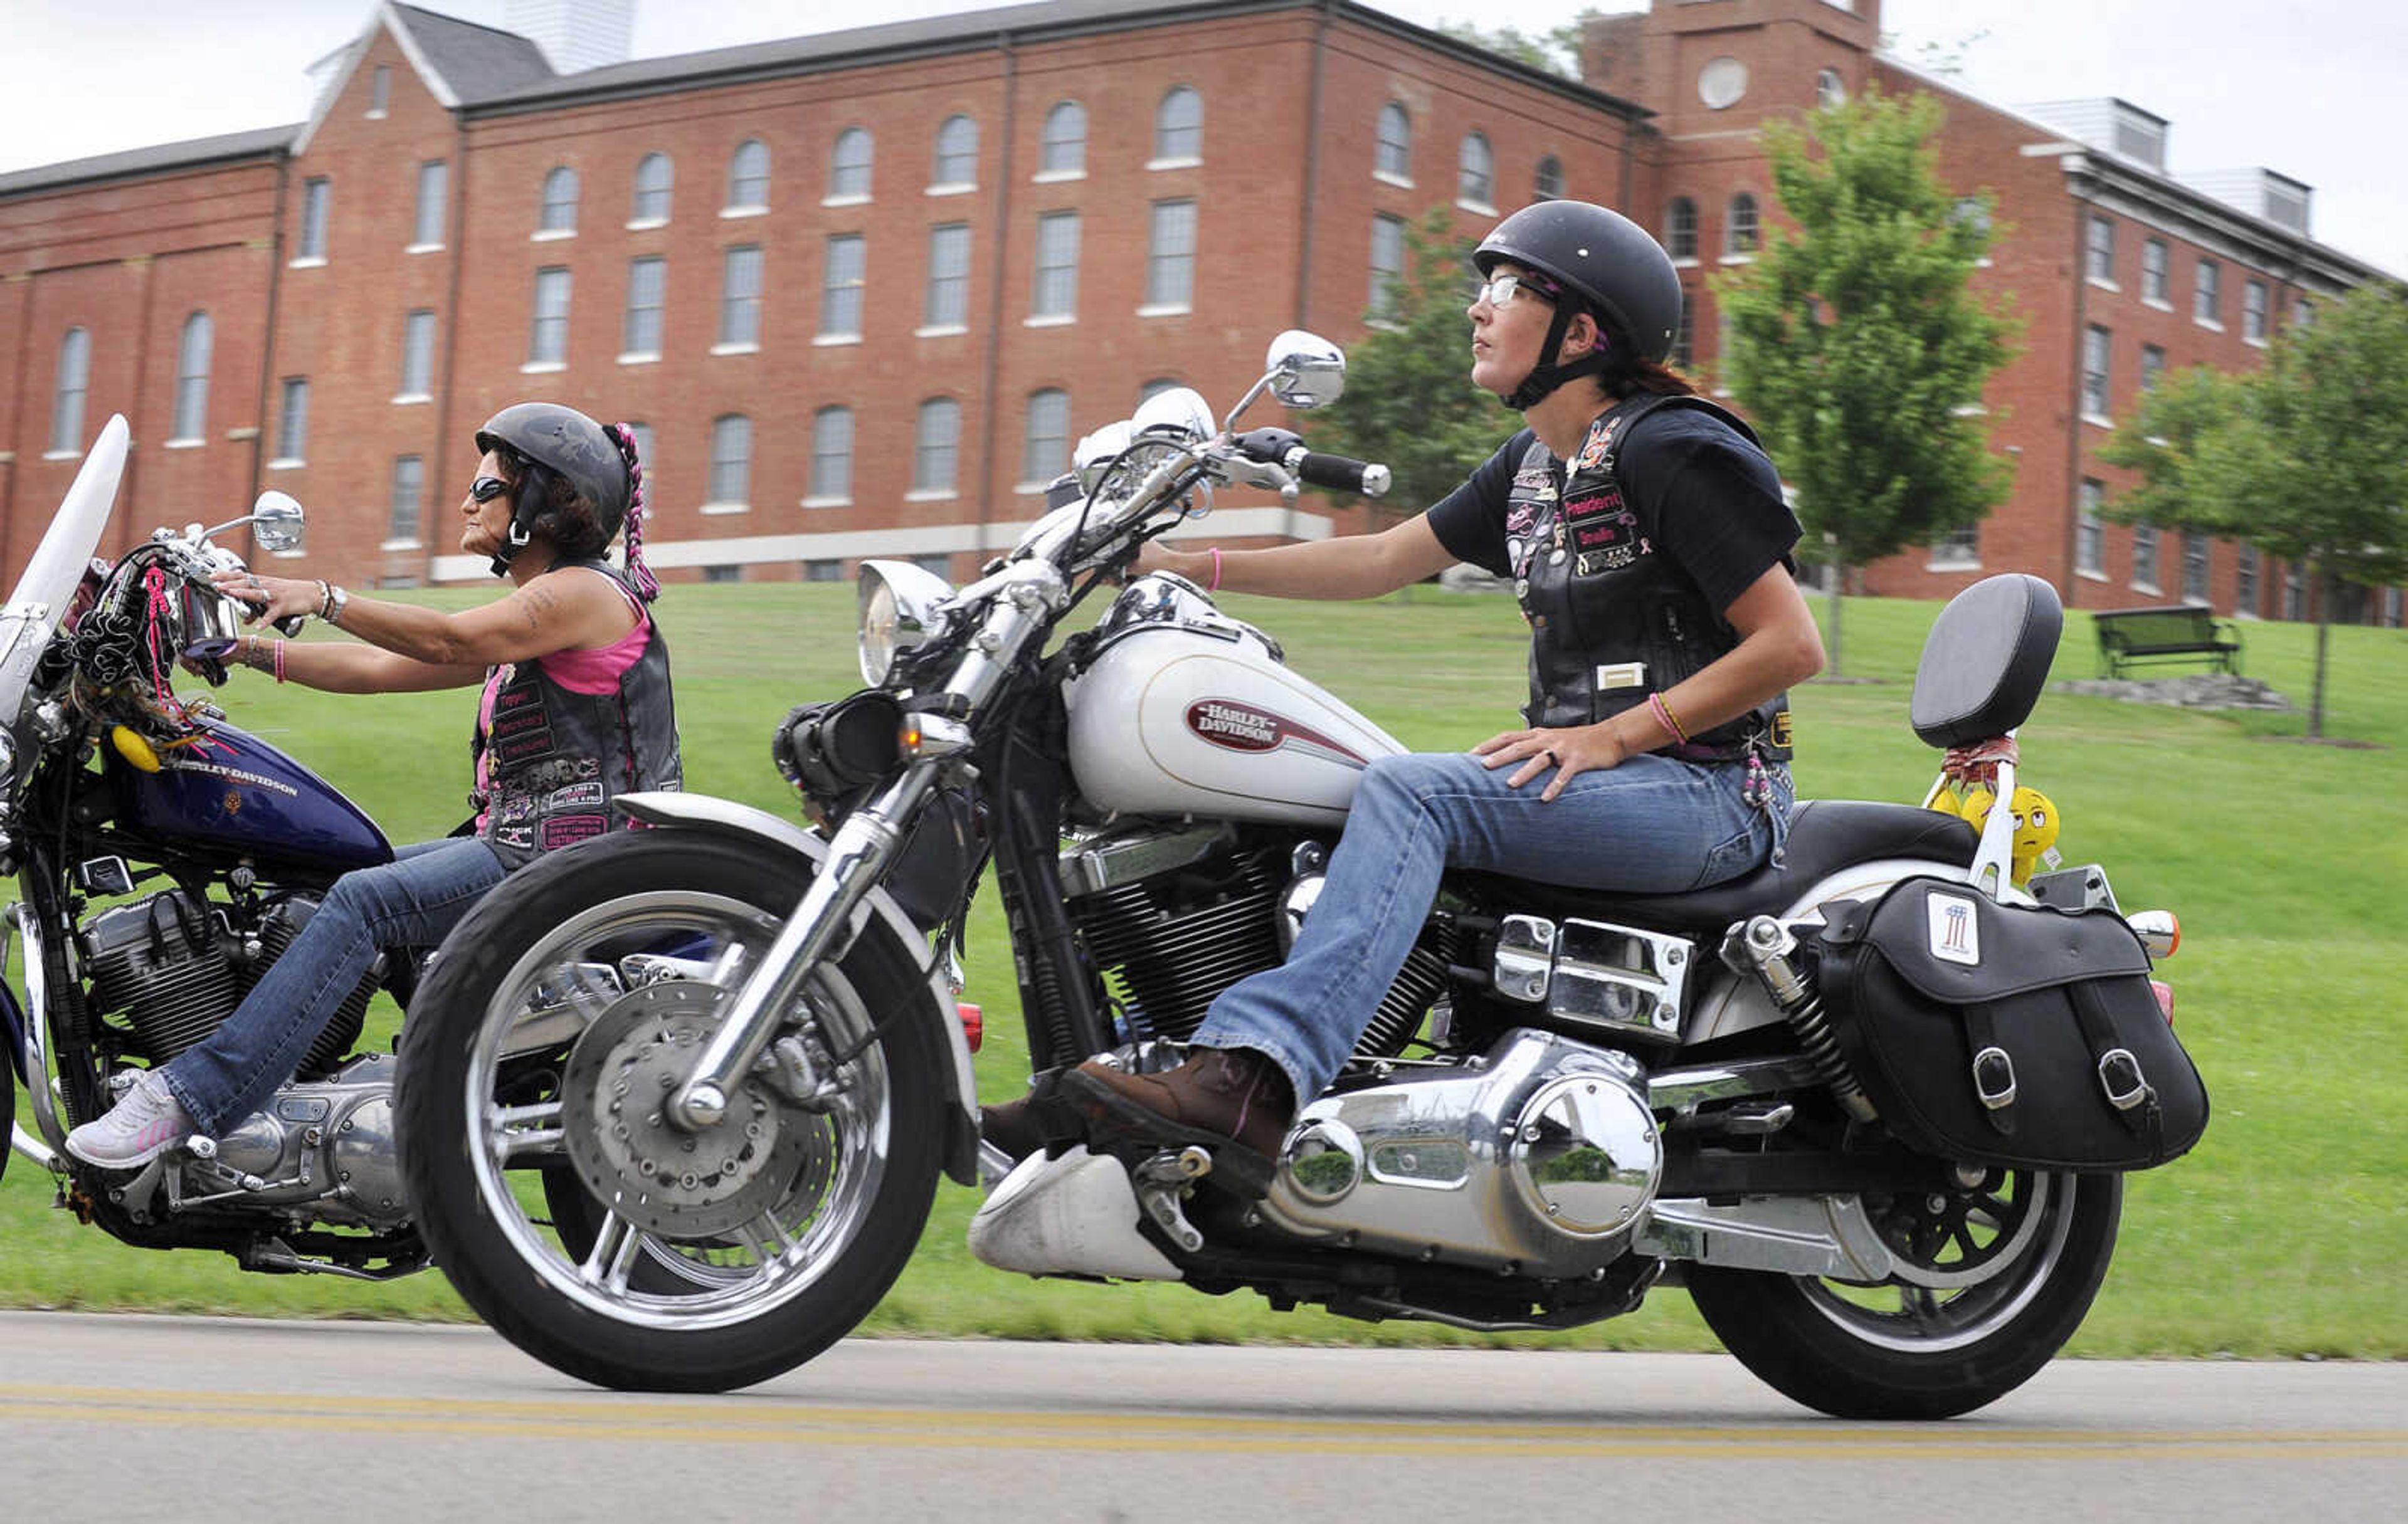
(1990, 1281)
(552, 1190)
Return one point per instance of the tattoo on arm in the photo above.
(538, 603)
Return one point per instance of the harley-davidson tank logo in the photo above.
(1236, 726)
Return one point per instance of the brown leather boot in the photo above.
(1011, 1128)
(1217, 1094)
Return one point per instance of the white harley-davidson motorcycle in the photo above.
(668, 1127)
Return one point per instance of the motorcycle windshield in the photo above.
(51, 578)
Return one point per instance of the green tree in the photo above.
(2306, 458)
(1855, 343)
(1556, 51)
(1410, 402)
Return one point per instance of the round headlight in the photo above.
(901, 606)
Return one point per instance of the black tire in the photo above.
(1944, 1350)
(672, 1314)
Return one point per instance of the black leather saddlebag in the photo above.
(2005, 1035)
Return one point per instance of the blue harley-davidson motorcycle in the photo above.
(164, 859)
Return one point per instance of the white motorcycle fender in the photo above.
(701, 812)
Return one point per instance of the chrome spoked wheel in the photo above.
(561, 1202)
(668, 1244)
(1988, 1283)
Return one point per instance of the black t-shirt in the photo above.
(1700, 490)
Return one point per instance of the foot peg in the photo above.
(1115, 1123)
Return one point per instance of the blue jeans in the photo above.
(1650, 826)
(411, 901)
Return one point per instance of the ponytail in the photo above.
(646, 583)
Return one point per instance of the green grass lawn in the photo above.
(2287, 862)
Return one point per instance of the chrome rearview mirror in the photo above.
(275, 521)
(1305, 370)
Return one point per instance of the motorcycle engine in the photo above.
(327, 1144)
(174, 967)
(1174, 917)
(1540, 1158)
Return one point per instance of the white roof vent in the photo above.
(576, 35)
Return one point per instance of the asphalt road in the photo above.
(123, 1418)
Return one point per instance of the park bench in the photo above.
(2127, 636)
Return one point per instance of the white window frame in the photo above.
(1734, 224)
(1475, 174)
(2098, 252)
(941, 182)
(2090, 531)
(2207, 296)
(2157, 280)
(730, 468)
(1052, 267)
(430, 215)
(738, 203)
(1392, 153)
(842, 167)
(399, 535)
(548, 203)
(830, 485)
(68, 393)
(1387, 284)
(1068, 147)
(548, 330)
(2099, 346)
(1173, 148)
(1170, 269)
(740, 309)
(647, 288)
(2146, 536)
(935, 438)
(1049, 409)
(945, 305)
(417, 356)
(317, 202)
(192, 355)
(292, 423)
(843, 280)
(652, 192)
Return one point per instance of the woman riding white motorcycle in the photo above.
(1649, 545)
(576, 709)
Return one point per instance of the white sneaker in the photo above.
(135, 1130)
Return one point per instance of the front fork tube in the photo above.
(857, 855)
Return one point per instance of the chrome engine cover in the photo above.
(324, 1149)
(1539, 1158)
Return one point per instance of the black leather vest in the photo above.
(560, 757)
(1611, 618)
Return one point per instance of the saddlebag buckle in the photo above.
(1994, 1079)
(2120, 1079)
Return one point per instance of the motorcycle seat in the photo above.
(1824, 836)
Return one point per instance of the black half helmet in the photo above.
(572, 446)
(1617, 269)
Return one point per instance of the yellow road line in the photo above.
(707, 1421)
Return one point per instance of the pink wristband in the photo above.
(1214, 585)
(280, 661)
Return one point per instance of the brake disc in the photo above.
(660, 1177)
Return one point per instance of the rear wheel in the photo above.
(1991, 1282)
(563, 1207)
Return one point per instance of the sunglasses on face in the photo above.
(486, 488)
(1499, 290)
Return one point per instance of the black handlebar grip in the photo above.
(1269, 446)
(1338, 474)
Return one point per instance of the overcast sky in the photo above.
(2300, 87)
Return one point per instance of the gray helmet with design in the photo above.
(563, 443)
(1604, 263)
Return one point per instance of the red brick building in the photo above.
(862, 289)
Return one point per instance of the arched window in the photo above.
(193, 378)
(1394, 154)
(832, 456)
(558, 213)
(1045, 451)
(1830, 89)
(653, 180)
(849, 166)
(937, 446)
(1156, 388)
(956, 154)
(748, 177)
(1740, 233)
(1547, 184)
(1064, 147)
(1179, 126)
(1475, 172)
(1680, 228)
(731, 459)
(66, 402)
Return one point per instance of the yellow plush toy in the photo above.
(2035, 839)
(2034, 842)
